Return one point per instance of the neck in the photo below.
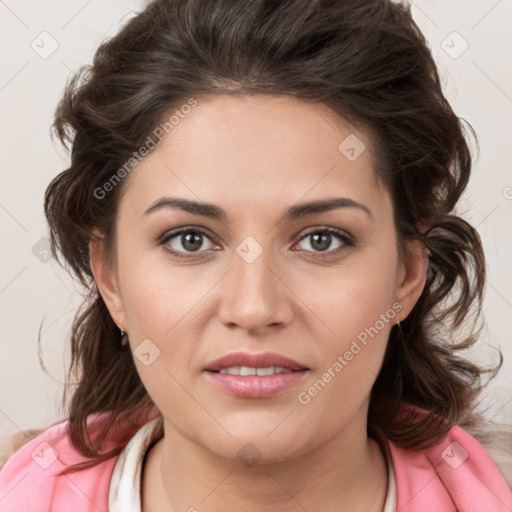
(349, 468)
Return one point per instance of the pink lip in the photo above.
(255, 386)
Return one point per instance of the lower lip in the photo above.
(256, 386)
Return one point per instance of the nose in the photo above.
(254, 296)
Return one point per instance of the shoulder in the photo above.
(35, 467)
(496, 439)
(31, 478)
(459, 473)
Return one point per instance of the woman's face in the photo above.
(321, 286)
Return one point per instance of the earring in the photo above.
(124, 338)
(400, 333)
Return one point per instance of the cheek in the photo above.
(165, 304)
(351, 355)
(359, 322)
(355, 295)
(156, 294)
(160, 304)
(357, 309)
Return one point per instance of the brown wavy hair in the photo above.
(369, 63)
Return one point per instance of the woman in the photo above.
(260, 203)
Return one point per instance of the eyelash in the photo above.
(344, 237)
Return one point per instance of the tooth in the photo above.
(244, 371)
(266, 371)
(278, 369)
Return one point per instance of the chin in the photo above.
(256, 447)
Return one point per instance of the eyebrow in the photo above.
(295, 212)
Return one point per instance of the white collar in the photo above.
(125, 484)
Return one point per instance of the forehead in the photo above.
(255, 149)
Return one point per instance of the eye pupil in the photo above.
(321, 241)
(192, 241)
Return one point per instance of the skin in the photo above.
(255, 156)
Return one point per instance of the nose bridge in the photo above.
(252, 274)
(254, 296)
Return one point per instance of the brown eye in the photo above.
(185, 241)
(191, 241)
(323, 239)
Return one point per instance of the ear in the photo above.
(412, 275)
(106, 279)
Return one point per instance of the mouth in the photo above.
(246, 362)
(255, 375)
(246, 371)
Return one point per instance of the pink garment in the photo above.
(458, 475)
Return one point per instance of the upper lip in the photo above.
(263, 360)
